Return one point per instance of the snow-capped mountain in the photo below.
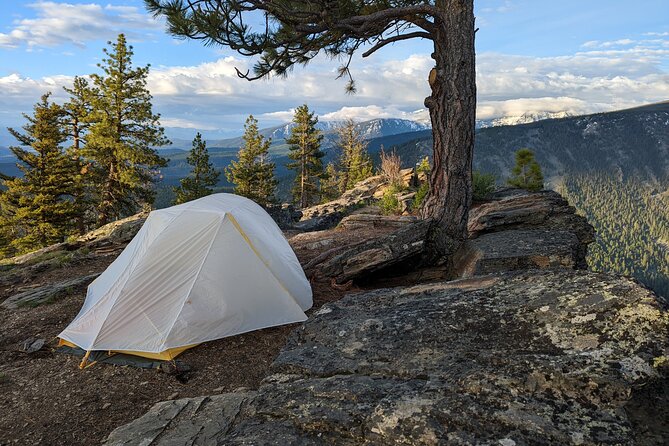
(374, 128)
(525, 118)
(632, 142)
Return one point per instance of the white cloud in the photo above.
(608, 44)
(656, 34)
(501, 8)
(180, 123)
(210, 96)
(66, 23)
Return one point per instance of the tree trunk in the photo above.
(452, 107)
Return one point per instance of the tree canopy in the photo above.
(203, 175)
(526, 174)
(283, 33)
(252, 173)
(306, 155)
(38, 207)
(286, 32)
(122, 134)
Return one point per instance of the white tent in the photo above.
(203, 270)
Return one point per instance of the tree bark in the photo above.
(452, 107)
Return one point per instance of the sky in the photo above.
(532, 57)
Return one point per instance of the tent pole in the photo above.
(83, 361)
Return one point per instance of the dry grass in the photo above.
(391, 168)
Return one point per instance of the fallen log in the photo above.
(353, 261)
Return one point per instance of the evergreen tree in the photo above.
(203, 175)
(38, 208)
(253, 173)
(76, 121)
(305, 151)
(122, 135)
(330, 183)
(526, 174)
(296, 31)
(7, 228)
(354, 162)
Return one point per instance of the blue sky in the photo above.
(533, 56)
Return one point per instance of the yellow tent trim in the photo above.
(166, 355)
(262, 259)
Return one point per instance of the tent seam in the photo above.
(264, 262)
(135, 263)
(199, 270)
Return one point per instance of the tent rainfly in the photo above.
(203, 270)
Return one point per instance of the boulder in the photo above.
(405, 200)
(541, 357)
(511, 208)
(117, 232)
(329, 214)
(179, 422)
(518, 250)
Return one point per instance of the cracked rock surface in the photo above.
(541, 357)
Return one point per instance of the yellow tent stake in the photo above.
(83, 361)
(90, 364)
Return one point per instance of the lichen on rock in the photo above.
(515, 358)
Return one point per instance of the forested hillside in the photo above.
(632, 142)
(632, 223)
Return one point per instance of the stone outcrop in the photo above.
(46, 293)
(518, 229)
(515, 230)
(285, 215)
(106, 240)
(529, 349)
(327, 215)
(375, 221)
(510, 209)
(542, 357)
(518, 250)
(118, 232)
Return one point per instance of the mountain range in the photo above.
(626, 142)
(631, 142)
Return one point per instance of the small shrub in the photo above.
(423, 167)
(389, 203)
(526, 174)
(421, 193)
(483, 185)
(391, 168)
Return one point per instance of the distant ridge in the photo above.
(633, 141)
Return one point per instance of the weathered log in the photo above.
(353, 261)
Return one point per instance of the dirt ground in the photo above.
(46, 399)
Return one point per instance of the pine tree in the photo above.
(7, 228)
(122, 135)
(305, 151)
(203, 176)
(330, 183)
(296, 31)
(526, 174)
(38, 208)
(252, 173)
(354, 162)
(76, 121)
